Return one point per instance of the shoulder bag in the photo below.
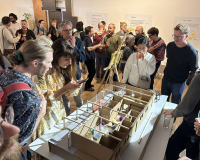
(143, 82)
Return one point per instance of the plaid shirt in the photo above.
(157, 49)
(26, 103)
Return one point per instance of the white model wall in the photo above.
(18, 7)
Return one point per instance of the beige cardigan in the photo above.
(6, 39)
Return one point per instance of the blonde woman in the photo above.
(59, 81)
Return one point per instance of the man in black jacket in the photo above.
(26, 34)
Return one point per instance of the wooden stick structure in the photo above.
(140, 139)
(112, 67)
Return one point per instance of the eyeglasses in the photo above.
(178, 37)
(7, 116)
(67, 30)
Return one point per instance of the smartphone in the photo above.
(80, 82)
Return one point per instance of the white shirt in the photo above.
(146, 68)
(15, 27)
(6, 39)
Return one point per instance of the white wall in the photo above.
(18, 7)
(163, 11)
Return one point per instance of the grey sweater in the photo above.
(190, 105)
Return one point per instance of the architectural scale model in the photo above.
(102, 128)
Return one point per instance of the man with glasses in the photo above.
(10, 148)
(156, 47)
(65, 28)
(182, 57)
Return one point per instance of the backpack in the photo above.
(97, 40)
(77, 34)
(6, 91)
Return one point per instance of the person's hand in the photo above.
(167, 112)
(72, 40)
(184, 158)
(72, 85)
(107, 44)
(49, 35)
(196, 124)
(41, 33)
(128, 30)
(18, 34)
(43, 106)
(141, 55)
(24, 38)
(99, 45)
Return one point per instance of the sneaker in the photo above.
(89, 89)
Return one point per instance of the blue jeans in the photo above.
(176, 89)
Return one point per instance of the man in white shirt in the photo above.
(7, 42)
(14, 26)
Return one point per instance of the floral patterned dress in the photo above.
(55, 112)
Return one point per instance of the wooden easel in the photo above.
(115, 58)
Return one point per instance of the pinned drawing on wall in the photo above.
(194, 38)
(134, 20)
(193, 33)
(190, 38)
(94, 18)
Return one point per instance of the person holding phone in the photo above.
(59, 80)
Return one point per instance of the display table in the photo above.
(150, 142)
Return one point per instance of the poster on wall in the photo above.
(134, 20)
(194, 34)
(94, 18)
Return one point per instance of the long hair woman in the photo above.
(58, 81)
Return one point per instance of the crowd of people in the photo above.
(45, 65)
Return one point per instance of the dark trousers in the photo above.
(107, 61)
(176, 89)
(178, 141)
(153, 75)
(26, 155)
(91, 72)
(100, 61)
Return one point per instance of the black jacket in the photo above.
(52, 31)
(29, 35)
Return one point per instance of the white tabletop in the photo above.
(40, 145)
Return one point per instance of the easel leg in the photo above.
(102, 80)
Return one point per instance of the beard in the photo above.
(10, 155)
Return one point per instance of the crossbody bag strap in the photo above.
(138, 65)
(3, 37)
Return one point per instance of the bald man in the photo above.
(139, 33)
(100, 52)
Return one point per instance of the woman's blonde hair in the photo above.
(45, 39)
(53, 20)
(29, 51)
